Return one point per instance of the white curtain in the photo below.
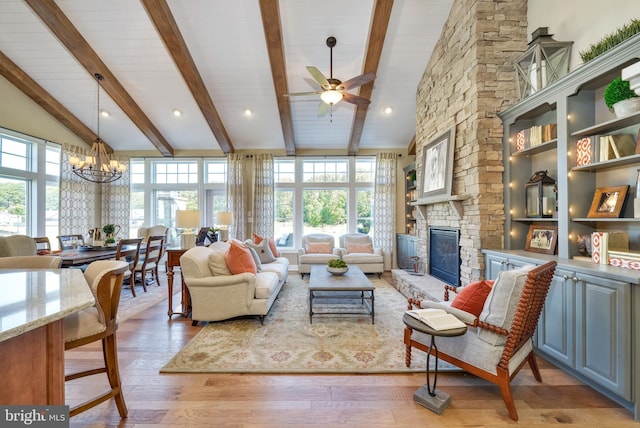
(263, 195)
(78, 197)
(236, 192)
(116, 202)
(384, 206)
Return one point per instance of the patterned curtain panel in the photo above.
(116, 204)
(384, 206)
(236, 192)
(77, 197)
(263, 195)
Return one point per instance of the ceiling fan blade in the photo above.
(357, 81)
(354, 99)
(317, 74)
(322, 108)
(303, 93)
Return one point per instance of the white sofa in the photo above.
(369, 262)
(216, 294)
(306, 259)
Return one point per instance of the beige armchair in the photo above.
(317, 249)
(498, 342)
(357, 249)
(17, 245)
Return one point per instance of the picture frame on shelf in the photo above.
(437, 166)
(542, 239)
(608, 201)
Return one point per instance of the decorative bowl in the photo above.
(338, 271)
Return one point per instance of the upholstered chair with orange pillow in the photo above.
(224, 282)
(357, 249)
(317, 249)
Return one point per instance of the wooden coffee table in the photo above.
(353, 288)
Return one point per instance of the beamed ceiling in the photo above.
(214, 59)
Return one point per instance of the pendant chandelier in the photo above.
(98, 166)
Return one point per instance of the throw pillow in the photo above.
(239, 259)
(472, 297)
(263, 250)
(274, 247)
(257, 238)
(318, 248)
(256, 259)
(360, 248)
(217, 262)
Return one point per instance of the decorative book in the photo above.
(437, 319)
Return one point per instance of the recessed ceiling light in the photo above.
(176, 112)
(104, 113)
(248, 112)
(387, 110)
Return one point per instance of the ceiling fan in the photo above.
(333, 90)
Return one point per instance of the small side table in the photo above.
(173, 260)
(428, 396)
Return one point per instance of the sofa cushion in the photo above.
(266, 284)
(314, 259)
(262, 249)
(362, 258)
(501, 303)
(359, 248)
(471, 297)
(217, 262)
(239, 259)
(318, 248)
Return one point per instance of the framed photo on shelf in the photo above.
(542, 239)
(437, 166)
(608, 202)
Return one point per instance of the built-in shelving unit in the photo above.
(410, 197)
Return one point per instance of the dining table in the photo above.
(82, 256)
(33, 304)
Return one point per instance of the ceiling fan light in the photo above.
(331, 97)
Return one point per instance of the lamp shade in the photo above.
(331, 97)
(224, 218)
(187, 219)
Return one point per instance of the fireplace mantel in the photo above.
(455, 202)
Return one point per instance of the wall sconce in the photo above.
(545, 61)
(187, 220)
(540, 195)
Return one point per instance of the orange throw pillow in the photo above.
(239, 259)
(471, 298)
(273, 247)
(360, 248)
(257, 238)
(318, 248)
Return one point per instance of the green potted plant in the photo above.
(619, 96)
(337, 266)
(109, 233)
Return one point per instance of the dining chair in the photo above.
(149, 262)
(65, 241)
(43, 245)
(17, 245)
(99, 322)
(128, 250)
(37, 262)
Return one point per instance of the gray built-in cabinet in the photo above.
(590, 324)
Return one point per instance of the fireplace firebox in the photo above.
(444, 254)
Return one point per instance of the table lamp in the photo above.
(187, 220)
(223, 220)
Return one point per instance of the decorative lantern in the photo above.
(545, 61)
(540, 195)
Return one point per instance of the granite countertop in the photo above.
(31, 298)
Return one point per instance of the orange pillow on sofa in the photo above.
(318, 248)
(239, 259)
(257, 238)
(471, 298)
(360, 248)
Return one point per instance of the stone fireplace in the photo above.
(444, 254)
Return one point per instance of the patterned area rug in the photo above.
(288, 343)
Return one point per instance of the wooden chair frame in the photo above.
(523, 327)
(153, 253)
(129, 250)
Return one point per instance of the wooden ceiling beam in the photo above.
(411, 148)
(162, 18)
(270, 12)
(53, 17)
(21, 80)
(379, 25)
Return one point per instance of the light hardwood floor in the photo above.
(148, 340)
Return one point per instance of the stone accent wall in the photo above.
(469, 79)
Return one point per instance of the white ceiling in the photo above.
(226, 40)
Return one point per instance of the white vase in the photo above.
(627, 107)
(338, 271)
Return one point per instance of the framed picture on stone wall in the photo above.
(437, 166)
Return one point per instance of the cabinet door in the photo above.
(556, 325)
(406, 247)
(493, 265)
(603, 340)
